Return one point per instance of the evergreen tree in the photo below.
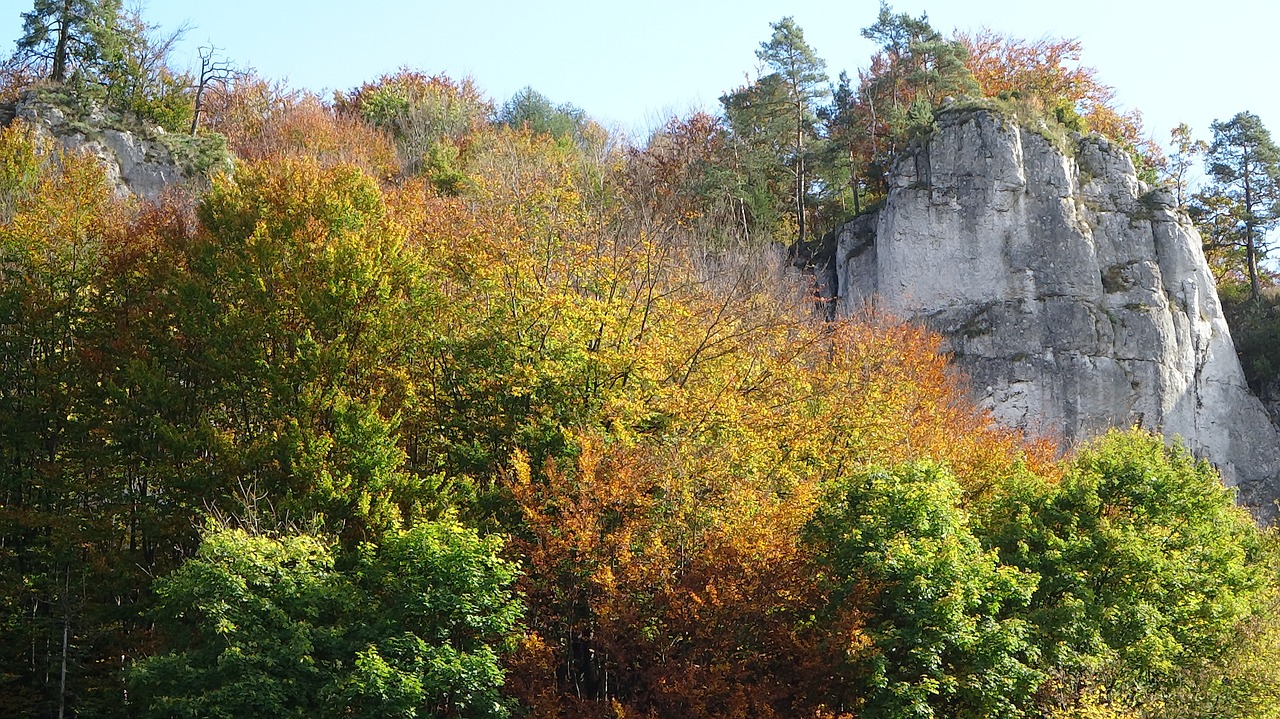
(72, 34)
(911, 73)
(1242, 202)
(803, 78)
(534, 111)
(758, 115)
(841, 159)
(774, 121)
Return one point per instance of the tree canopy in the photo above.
(74, 35)
(436, 406)
(1242, 202)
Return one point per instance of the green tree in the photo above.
(139, 79)
(943, 637)
(914, 69)
(1148, 571)
(921, 62)
(288, 626)
(1185, 151)
(531, 110)
(72, 34)
(761, 136)
(802, 77)
(842, 165)
(1242, 202)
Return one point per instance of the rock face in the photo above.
(139, 160)
(1074, 297)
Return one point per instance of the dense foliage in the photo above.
(443, 407)
(263, 626)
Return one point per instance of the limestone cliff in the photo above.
(1074, 297)
(139, 159)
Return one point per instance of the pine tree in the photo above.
(803, 77)
(72, 34)
(1242, 203)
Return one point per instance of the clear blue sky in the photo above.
(631, 64)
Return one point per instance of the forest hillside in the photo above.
(407, 402)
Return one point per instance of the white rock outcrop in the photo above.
(138, 161)
(1074, 297)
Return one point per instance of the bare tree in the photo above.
(213, 71)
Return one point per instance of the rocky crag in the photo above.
(1073, 296)
(140, 159)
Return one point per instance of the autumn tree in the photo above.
(1185, 150)
(679, 182)
(1045, 71)
(430, 118)
(266, 121)
(1047, 75)
(1242, 202)
(264, 317)
(60, 554)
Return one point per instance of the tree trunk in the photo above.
(800, 198)
(59, 73)
(62, 683)
(199, 108)
(1251, 249)
(800, 170)
(66, 630)
(1251, 252)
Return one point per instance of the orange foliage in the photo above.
(659, 587)
(665, 574)
(1048, 74)
(1044, 69)
(903, 401)
(264, 121)
(699, 408)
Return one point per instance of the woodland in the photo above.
(419, 404)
